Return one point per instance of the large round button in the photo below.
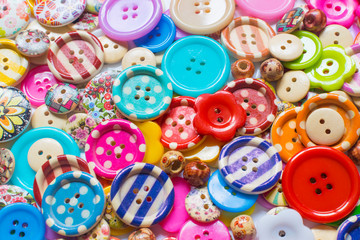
(15, 16)
(195, 230)
(113, 51)
(32, 43)
(322, 184)
(86, 22)
(43, 150)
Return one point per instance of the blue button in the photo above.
(21, 221)
(160, 37)
(349, 229)
(225, 198)
(196, 65)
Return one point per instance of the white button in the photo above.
(286, 47)
(113, 51)
(336, 34)
(293, 86)
(138, 56)
(325, 126)
(323, 232)
(42, 117)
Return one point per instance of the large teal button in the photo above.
(196, 65)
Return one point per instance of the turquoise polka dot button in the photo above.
(142, 92)
(73, 203)
(196, 65)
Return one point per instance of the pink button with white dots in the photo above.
(204, 231)
(37, 83)
(114, 145)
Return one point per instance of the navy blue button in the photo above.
(21, 221)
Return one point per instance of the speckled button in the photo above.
(14, 16)
(336, 34)
(286, 47)
(10, 194)
(138, 56)
(204, 231)
(78, 194)
(113, 51)
(101, 231)
(32, 43)
(42, 117)
(86, 22)
(15, 113)
(291, 20)
(58, 12)
(293, 86)
(7, 165)
(62, 98)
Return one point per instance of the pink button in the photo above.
(36, 84)
(114, 145)
(178, 215)
(204, 231)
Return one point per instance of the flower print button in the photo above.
(10, 194)
(86, 22)
(62, 98)
(101, 231)
(14, 16)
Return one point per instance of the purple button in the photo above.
(36, 84)
(126, 20)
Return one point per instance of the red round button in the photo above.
(322, 184)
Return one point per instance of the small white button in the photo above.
(42, 117)
(138, 56)
(286, 47)
(336, 34)
(293, 86)
(113, 51)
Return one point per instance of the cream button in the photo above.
(113, 51)
(139, 56)
(42, 117)
(42, 151)
(325, 126)
(286, 47)
(336, 34)
(343, 94)
(159, 57)
(323, 232)
(293, 86)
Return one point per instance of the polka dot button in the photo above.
(336, 34)
(286, 47)
(293, 86)
(202, 231)
(138, 56)
(114, 145)
(113, 51)
(73, 203)
(62, 98)
(42, 117)
(350, 228)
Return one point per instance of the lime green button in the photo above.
(312, 51)
(332, 69)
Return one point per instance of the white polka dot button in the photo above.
(336, 34)
(138, 56)
(42, 117)
(113, 51)
(293, 86)
(286, 47)
(325, 126)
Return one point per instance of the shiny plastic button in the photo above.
(204, 231)
(42, 117)
(336, 34)
(285, 47)
(138, 56)
(350, 228)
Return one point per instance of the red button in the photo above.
(322, 184)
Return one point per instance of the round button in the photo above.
(22, 221)
(62, 98)
(275, 196)
(86, 22)
(114, 145)
(350, 228)
(250, 165)
(58, 12)
(142, 195)
(75, 57)
(315, 20)
(138, 56)
(113, 51)
(194, 230)
(32, 42)
(42, 117)
(202, 17)
(7, 165)
(142, 93)
(196, 65)
(51, 32)
(336, 34)
(128, 20)
(291, 20)
(286, 47)
(248, 37)
(322, 184)
(10, 194)
(101, 231)
(36, 84)
(15, 16)
(324, 232)
(73, 204)
(293, 86)
(325, 126)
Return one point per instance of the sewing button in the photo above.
(271, 70)
(285, 47)
(243, 227)
(314, 20)
(93, 6)
(58, 12)
(51, 32)
(336, 34)
(75, 57)
(15, 16)
(7, 165)
(86, 22)
(293, 86)
(324, 232)
(62, 98)
(248, 37)
(196, 173)
(204, 231)
(313, 184)
(32, 43)
(73, 204)
(352, 85)
(257, 99)
(36, 84)
(138, 56)
(160, 38)
(148, 196)
(350, 228)
(250, 165)
(126, 21)
(42, 117)
(227, 199)
(196, 65)
(142, 93)
(10, 194)
(101, 231)
(242, 68)
(25, 175)
(113, 51)
(114, 145)
(21, 221)
(202, 17)
(291, 20)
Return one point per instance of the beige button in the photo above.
(286, 47)
(41, 60)
(323, 232)
(42, 117)
(336, 34)
(138, 56)
(113, 51)
(356, 101)
(343, 94)
(325, 126)
(42, 151)
(293, 86)
(159, 57)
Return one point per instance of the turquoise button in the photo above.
(196, 65)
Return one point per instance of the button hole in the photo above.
(255, 160)
(71, 210)
(188, 122)
(21, 234)
(202, 196)
(40, 152)
(198, 72)
(137, 97)
(59, 100)
(227, 188)
(149, 199)
(196, 4)
(192, 60)
(197, 12)
(16, 222)
(208, 10)
(293, 139)
(254, 169)
(329, 186)
(81, 60)
(206, 233)
(81, 51)
(118, 155)
(48, 157)
(81, 205)
(327, 131)
(188, 68)
(243, 34)
(67, 200)
(174, 124)
(12, 232)
(142, 59)
(323, 175)
(72, 52)
(77, 195)
(253, 106)
(135, 190)
(233, 193)
(116, 46)
(50, 122)
(247, 113)
(244, 158)
(63, 91)
(25, 225)
(134, 15)
(217, 110)
(206, 206)
(338, 8)
(113, 143)
(312, 180)
(289, 41)
(125, 17)
(147, 98)
(293, 79)
(181, 116)
(158, 35)
(138, 201)
(6, 67)
(282, 233)
(108, 152)
(5, 59)
(336, 42)
(146, 188)
(246, 100)
(122, 146)
(243, 42)
(137, 87)
(318, 191)
(283, 47)
(244, 168)
(288, 89)
(135, 7)
(220, 119)
(329, 63)
(125, 9)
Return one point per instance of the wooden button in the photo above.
(293, 86)
(323, 232)
(286, 47)
(42, 117)
(138, 56)
(114, 51)
(336, 34)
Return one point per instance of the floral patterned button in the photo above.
(32, 42)
(100, 232)
(10, 194)
(94, 6)
(7, 165)
(14, 16)
(87, 22)
(62, 98)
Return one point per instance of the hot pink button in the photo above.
(36, 84)
(204, 231)
(178, 215)
(337, 11)
(114, 145)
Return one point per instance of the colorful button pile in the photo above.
(180, 119)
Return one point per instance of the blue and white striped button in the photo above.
(250, 165)
(142, 195)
